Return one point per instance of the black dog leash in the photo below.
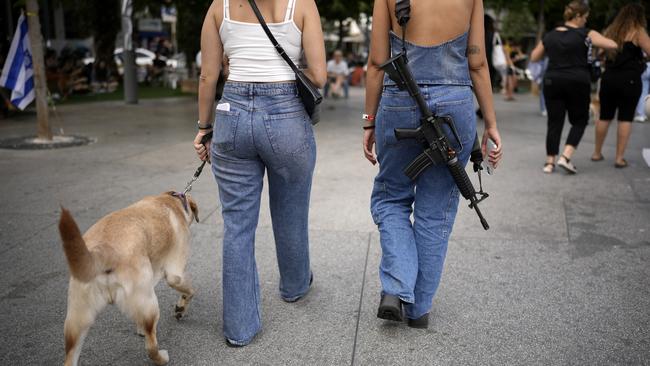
(199, 170)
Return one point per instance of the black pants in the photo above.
(565, 97)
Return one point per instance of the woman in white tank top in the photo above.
(260, 124)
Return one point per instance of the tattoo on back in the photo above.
(473, 50)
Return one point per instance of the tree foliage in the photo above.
(602, 11)
(102, 19)
(519, 23)
(340, 10)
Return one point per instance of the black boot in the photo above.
(390, 308)
(420, 323)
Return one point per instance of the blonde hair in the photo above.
(630, 19)
(575, 9)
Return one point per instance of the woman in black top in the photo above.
(567, 82)
(620, 87)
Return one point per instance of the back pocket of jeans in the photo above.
(398, 117)
(463, 114)
(225, 128)
(289, 133)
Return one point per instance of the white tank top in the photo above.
(250, 53)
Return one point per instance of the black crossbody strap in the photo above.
(277, 46)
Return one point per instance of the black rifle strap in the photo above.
(403, 15)
(277, 46)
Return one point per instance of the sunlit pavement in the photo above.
(562, 277)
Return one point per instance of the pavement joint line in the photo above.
(566, 220)
(363, 285)
(459, 238)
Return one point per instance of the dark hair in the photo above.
(574, 9)
(488, 23)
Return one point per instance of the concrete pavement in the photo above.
(561, 278)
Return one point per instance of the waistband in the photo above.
(251, 89)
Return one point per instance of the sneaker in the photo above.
(640, 119)
(544, 114)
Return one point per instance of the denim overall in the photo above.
(258, 128)
(415, 218)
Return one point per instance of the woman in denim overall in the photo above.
(445, 45)
(260, 124)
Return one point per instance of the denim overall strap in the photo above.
(443, 64)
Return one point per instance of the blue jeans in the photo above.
(413, 250)
(645, 81)
(258, 128)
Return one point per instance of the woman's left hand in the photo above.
(368, 145)
(203, 151)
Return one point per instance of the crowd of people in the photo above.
(582, 74)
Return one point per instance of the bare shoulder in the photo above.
(215, 11)
(305, 11)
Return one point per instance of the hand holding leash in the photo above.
(205, 157)
(203, 150)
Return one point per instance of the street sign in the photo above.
(168, 14)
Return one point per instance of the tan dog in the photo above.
(120, 259)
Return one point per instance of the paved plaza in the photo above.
(561, 278)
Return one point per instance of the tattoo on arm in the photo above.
(473, 50)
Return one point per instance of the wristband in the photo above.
(203, 127)
(368, 117)
(369, 127)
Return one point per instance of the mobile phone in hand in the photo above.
(490, 146)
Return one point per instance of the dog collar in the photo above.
(182, 197)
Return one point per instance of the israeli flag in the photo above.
(18, 72)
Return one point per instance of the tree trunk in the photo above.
(107, 23)
(40, 86)
(341, 35)
(130, 82)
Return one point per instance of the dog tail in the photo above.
(80, 260)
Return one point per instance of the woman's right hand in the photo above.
(203, 151)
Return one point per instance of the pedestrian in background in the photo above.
(516, 60)
(537, 70)
(621, 86)
(645, 90)
(260, 124)
(446, 50)
(567, 82)
(337, 76)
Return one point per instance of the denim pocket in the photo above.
(289, 133)
(462, 113)
(225, 128)
(397, 117)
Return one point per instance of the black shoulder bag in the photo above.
(308, 92)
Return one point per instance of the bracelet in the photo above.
(368, 117)
(203, 127)
(369, 127)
